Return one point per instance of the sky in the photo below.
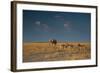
(40, 26)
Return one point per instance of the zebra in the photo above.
(52, 42)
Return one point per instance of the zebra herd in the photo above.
(53, 42)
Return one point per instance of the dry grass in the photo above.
(35, 52)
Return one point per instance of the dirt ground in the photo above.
(35, 52)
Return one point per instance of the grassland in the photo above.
(35, 52)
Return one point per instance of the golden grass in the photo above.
(34, 52)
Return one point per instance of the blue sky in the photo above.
(65, 26)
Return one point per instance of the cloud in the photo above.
(57, 16)
(45, 26)
(67, 26)
(41, 26)
(38, 23)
